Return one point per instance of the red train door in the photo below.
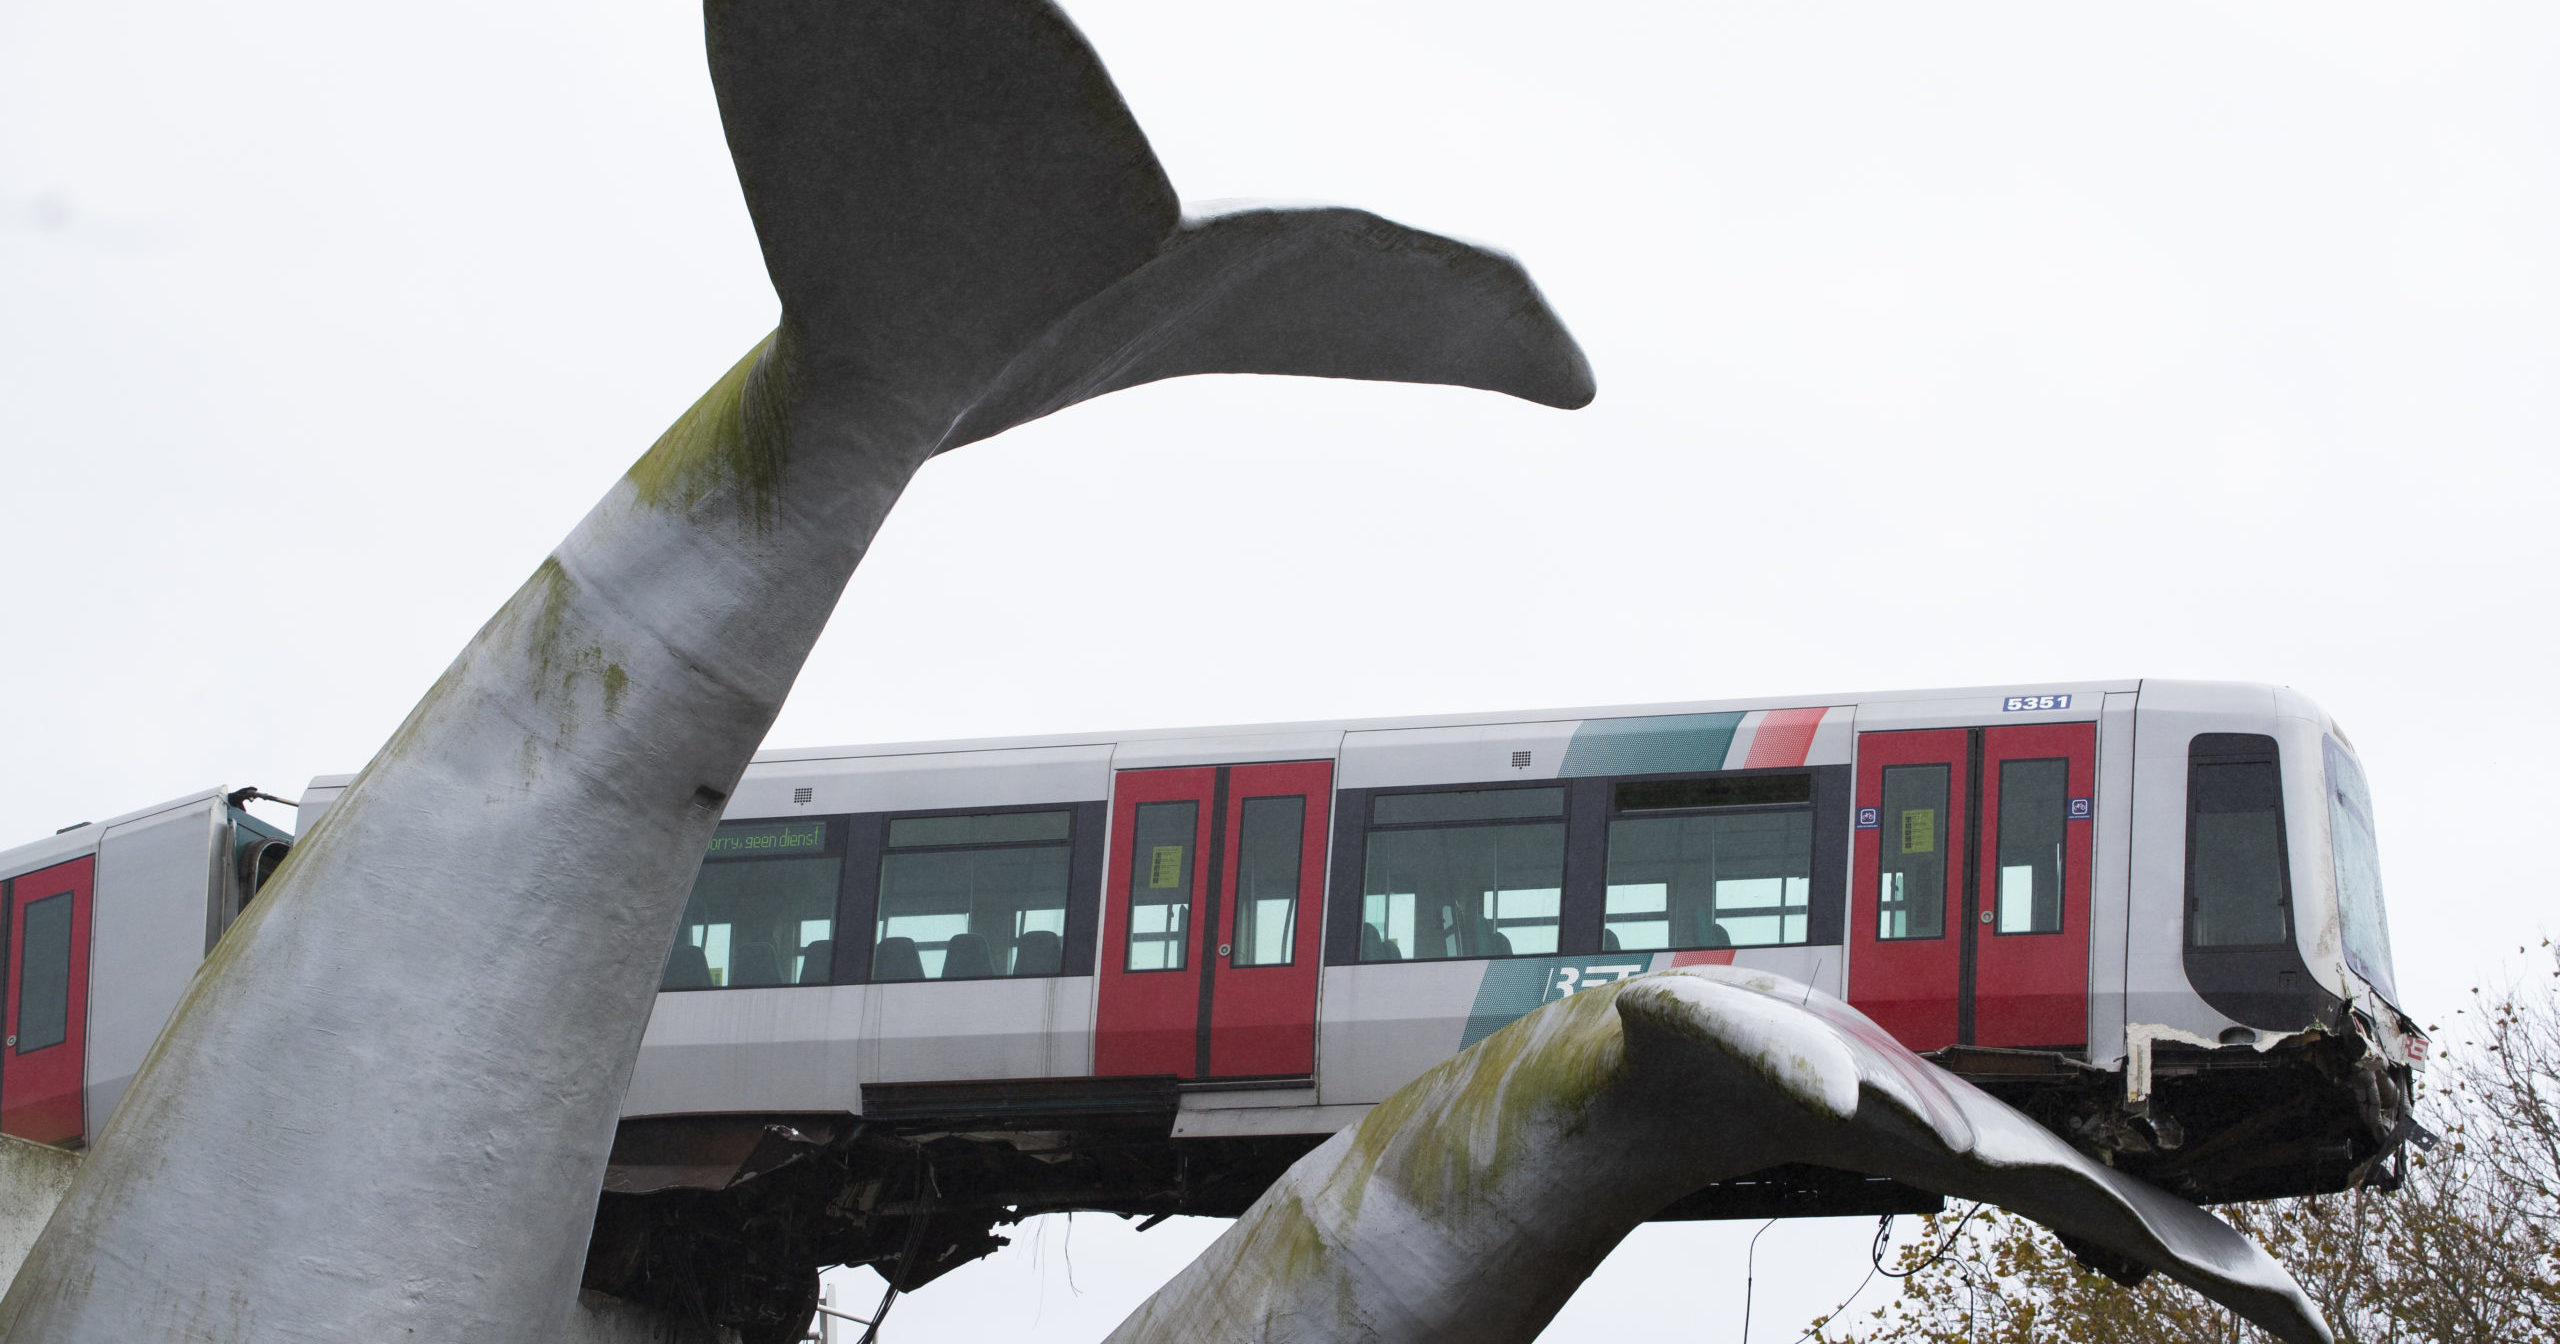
(1969, 908)
(1210, 926)
(47, 1003)
(1906, 934)
(2031, 951)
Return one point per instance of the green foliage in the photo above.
(2467, 1251)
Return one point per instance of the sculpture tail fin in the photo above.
(1928, 1128)
(1323, 292)
(962, 217)
(933, 182)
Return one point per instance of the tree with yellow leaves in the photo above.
(2467, 1251)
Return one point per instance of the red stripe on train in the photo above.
(1785, 737)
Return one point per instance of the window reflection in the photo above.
(1269, 844)
(1708, 879)
(2035, 817)
(1462, 873)
(971, 897)
(1911, 886)
(763, 909)
(1160, 864)
(2236, 884)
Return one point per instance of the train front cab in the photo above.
(2263, 1051)
(2150, 917)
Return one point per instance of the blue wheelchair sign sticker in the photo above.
(2080, 809)
(1870, 818)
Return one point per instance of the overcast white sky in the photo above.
(1937, 345)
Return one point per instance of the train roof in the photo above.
(1310, 728)
(1307, 739)
(75, 840)
(1462, 720)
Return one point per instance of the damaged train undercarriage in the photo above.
(728, 1219)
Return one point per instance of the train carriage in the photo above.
(922, 991)
(102, 924)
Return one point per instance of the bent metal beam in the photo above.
(1471, 1203)
(384, 1108)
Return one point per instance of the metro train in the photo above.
(921, 991)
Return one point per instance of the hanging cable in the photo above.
(1828, 1317)
(1972, 1298)
(1875, 1266)
(1884, 1231)
(1067, 1252)
(1750, 1267)
(919, 1212)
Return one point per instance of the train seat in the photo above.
(753, 963)
(687, 968)
(1036, 953)
(967, 957)
(817, 960)
(896, 959)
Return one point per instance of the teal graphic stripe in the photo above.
(1658, 744)
(1514, 988)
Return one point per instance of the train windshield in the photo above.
(2366, 928)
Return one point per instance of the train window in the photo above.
(1911, 891)
(1272, 838)
(2236, 882)
(1160, 886)
(1710, 863)
(2367, 932)
(44, 974)
(972, 897)
(763, 909)
(1462, 873)
(2035, 816)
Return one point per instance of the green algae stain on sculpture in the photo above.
(1470, 1203)
(1533, 1078)
(731, 444)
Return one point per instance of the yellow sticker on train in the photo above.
(1164, 867)
(1919, 830)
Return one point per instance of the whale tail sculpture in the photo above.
(384, 1108)
(1470, 1204)
(961, 216)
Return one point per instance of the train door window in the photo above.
(1710, 863)
(1268, 846)
(2035, 818)
(763, 909)
(44, 974)
(1463, 873)
(1160, 886)
(1911, 888)
(2237, 888)
(971, 896)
